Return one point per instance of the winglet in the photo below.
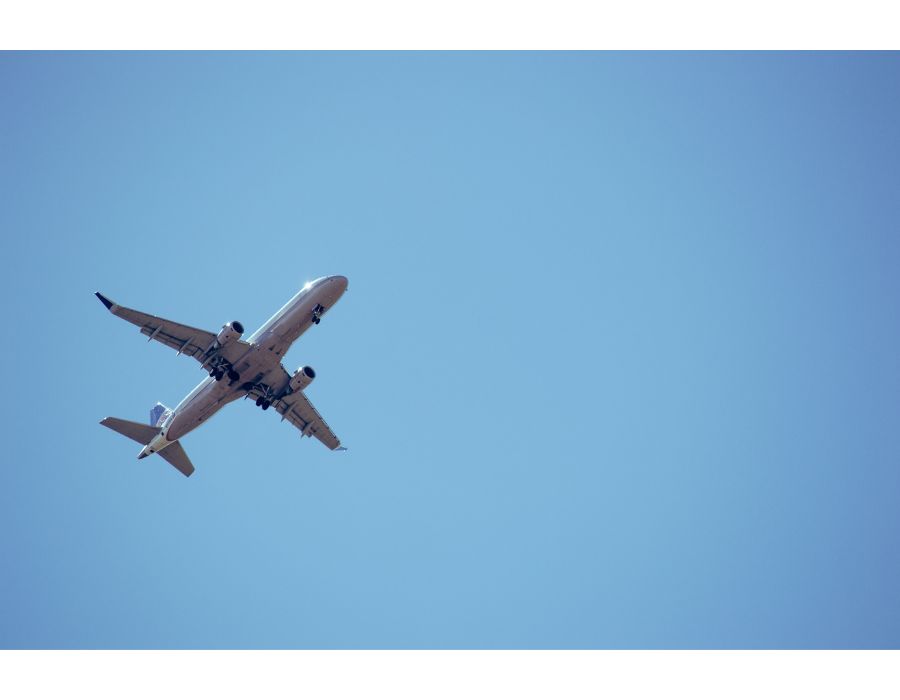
(340, 449)
(106, 302)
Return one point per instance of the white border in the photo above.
(464, 24)
(449, 674)
(459, 24)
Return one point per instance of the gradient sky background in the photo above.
(618, 365)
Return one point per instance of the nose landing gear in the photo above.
(317, 312)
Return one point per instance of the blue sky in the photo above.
(618, 364)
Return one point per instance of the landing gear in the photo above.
(265, 399)
(222, 369)
(317, 312)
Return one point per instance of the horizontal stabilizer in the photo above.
(175, 455)
(139, 432)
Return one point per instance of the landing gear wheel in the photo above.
(219, 375)
(259, 401)
(317, 320)
(233, 376)
(266, 405)
(212, 373)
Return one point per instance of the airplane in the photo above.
(237, 368)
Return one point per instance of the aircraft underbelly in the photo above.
(258, 363)
(203, 406)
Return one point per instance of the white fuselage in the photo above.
(257, 365)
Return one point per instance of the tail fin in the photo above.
(175, 455)
(158, 414)
(136, 431)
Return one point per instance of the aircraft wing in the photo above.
(299, 412)
(187, 340)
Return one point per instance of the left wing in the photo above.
(299, 412)
(187, 340)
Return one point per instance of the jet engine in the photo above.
(302, 378)
(230, 331)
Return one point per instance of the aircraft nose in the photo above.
(340, 281)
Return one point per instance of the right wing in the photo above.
(298, 410)
(194, 342)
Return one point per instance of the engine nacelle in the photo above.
(230, 331)
(302, 378)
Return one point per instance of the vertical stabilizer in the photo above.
(158, 414)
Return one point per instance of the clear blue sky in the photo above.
(618, 364)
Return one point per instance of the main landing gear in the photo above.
(318, 310)
(266, 396)
(223, 369)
